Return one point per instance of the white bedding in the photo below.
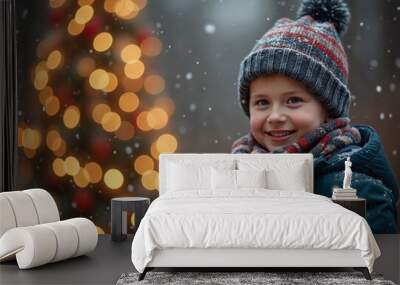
(251, 218)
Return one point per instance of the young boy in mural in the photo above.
(293, 87)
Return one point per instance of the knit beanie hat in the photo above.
(308, 50)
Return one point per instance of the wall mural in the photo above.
(101, 103)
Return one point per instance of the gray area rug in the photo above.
(228, 278)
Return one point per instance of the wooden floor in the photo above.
(110, 259)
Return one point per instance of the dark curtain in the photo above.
(8, 96)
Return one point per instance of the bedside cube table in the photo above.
(358, 205)
(119, 208)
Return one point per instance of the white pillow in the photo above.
(223, 179)
(236, 179)
(251, 178)
(282, 174)
(184, 175)
(293, 179)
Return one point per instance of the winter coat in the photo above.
(373, 177)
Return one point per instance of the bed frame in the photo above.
(246, 258)
(242, 259)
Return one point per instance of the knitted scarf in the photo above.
(323, 140)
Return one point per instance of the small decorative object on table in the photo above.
(119, 208)
(347, 196)
(345, 193)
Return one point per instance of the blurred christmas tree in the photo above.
(103, 113)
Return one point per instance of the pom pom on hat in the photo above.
(334, 11)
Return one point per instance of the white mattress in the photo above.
(252, 218)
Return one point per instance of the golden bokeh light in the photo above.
(134, 70)
(109, 5)
(111, 121)
(133, 219)
(141, 121)
(95, 172)
(100, 231)
(143, 163)
(61, 150)
(75, 28)
(126, 9)
(58, 167)
(85, 2)
(72, 116)
(99, 111)
(166, 104)
(112, 84)
(130, 53)
(153, 151)
(141, 3)
(154, 84)
(56, 3)
(157, 118)
(150, 180)
(45, 93)
(151, 46)
(166, 143)
(54, 59)
(85, 66)
(31, 139)
(99, 79)
(52, 105)
(128, 102)
(30, 153)
(71, 166)
(82, 178)
(126, 131)
(102, 42)
(53, 140)
(133, 85)
(113, 178)
(41, 79)
(84, 14)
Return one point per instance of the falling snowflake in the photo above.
(209, 28)
(178, 76)
(210, 109)
(189, 76)
(130, 188)
(382, 116)
(361, 24)
(192, 107)
(394, 152)
(378, 88)
(397, 62)
(136, 145)
(392, 87)
(390, 115)
(373, 63)
(182, 130)
(128, 150)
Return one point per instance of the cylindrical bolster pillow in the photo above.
(7, 218)
(23, 208)
(87, 235)
(45, 205)
(41, 244)
(33, 246)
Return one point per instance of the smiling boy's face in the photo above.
(282, 110)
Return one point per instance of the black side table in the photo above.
(357, 205)
(119, 208)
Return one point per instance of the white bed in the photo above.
(203, 220)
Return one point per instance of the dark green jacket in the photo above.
(373, 178)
